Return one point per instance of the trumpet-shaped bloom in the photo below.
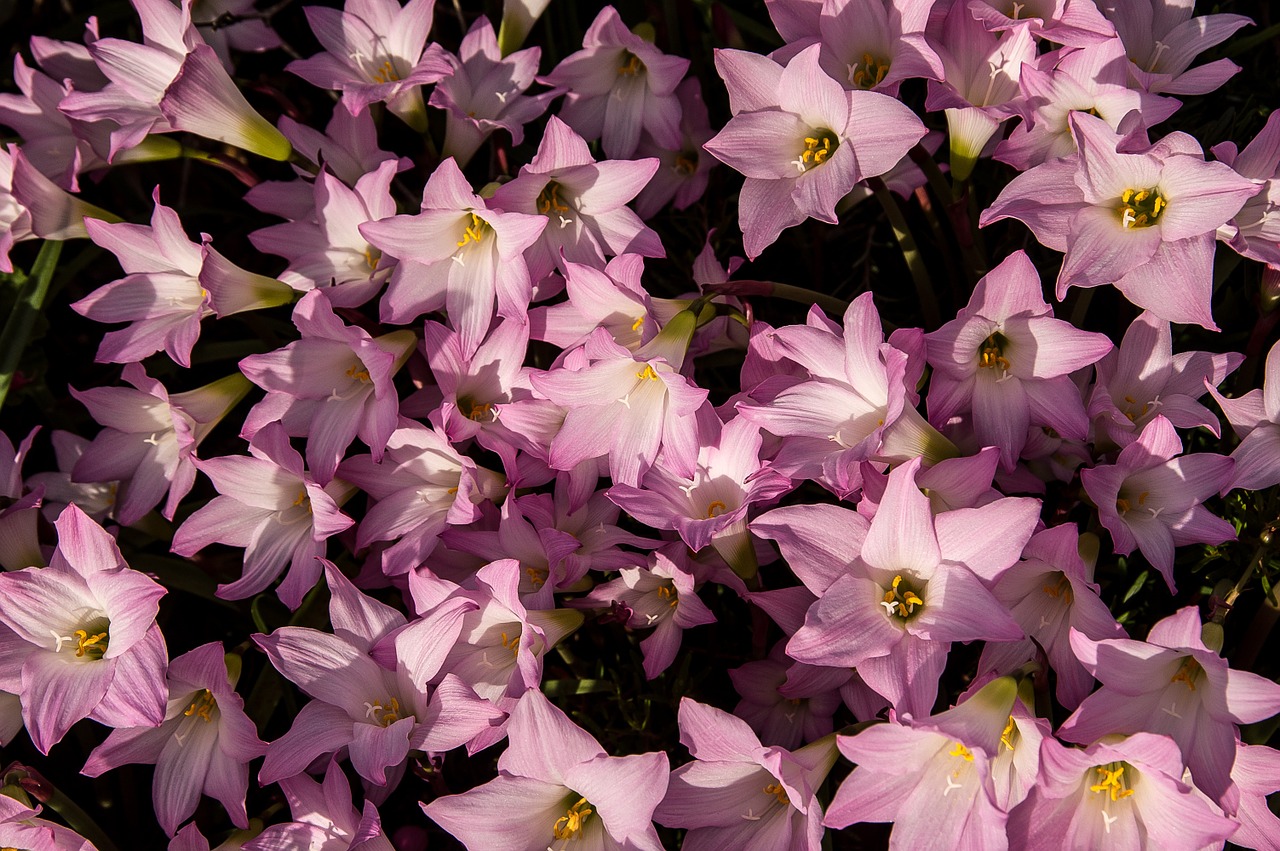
(1172, 684)
(625, 406)
(801, 140)
(80, 637)
(1142, 220)
(171, 284)
(369, 684)
(557, 788)
(19, 828)
(1143, 378)
(1150, 499)
(1255, 230)
(323, 818)
(485, 93)
(1255, 416)
(1006, 357)
(583, 201)
(375, 50)
(150, 438)
(892, 600)
(1162, 39)
(1075, 23)
(274, 509)
(1126, 793)
(332, 385)
(204, 745)
(620, 85)
(465, 256)
(740, 794)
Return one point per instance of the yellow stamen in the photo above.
(776, 790)
(1140, 208)
(386, 74)
(92, 646)
(359, 373)
(1007, 734)
(536, 576)
(473, 232)
(570, 824)
(869, 73)
(716, 508)
(201, 705)
(648, 373)
(384, 715)
(991, 355)
(549, 200)
(1062, 589)
(901, 600)
(961, 751)
(638, 324)
(666, 592)
(1112, 783)
(1188, 672)
(817, 149)
(512, 644)
(630, 65)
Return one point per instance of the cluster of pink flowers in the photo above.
(487, 444)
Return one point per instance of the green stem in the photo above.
(17, 329)
(933, 174)
(1220, 614)
(78, 820)
(829, 303)
(910, 252)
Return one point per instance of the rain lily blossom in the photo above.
(376, 51)
(738, 793)
(1127, 793)
(323, 817)
(1255, 416)
(557, 788)
(272, 507)
(1144, 378)
(780, 715)
(332, 385)
(801, 140)
(893, 602)
(1255, 230)
(19, 828)
(1144, 220)
(1162, 39)
(204, 745)
(465, 255)
(1150, 499)
(684, 170)
(171, 284)
(80, 637)
(583, 201)
(1051, 592)
(1074, 23)
(150, 438)
(368, 680)
(1173, 684)
(618, 86)
(485, 93)
(1009, 360)
(626, 405)
(1256, 773)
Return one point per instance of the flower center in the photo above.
(686, 163)
(383, 714)
(372, 256)
(1141, 208)
(90, 643)
(648, 372)
(668, 593)
(550, 204)
(1009, 735)
(571, 823)
(716, 508)
(386, 73)
(1124, 506)
(776, 790)
(901, 599)
(1188, 672)
(817, 149)
(868, 73)
(537, 576)
(201, 705)
(358, 372)
(991, 354)
(629, 65)
(474, 232)
(1112, 782)
(1060, 589)
(476, 411)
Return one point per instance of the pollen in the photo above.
(386, 73)
(383, 714)
(817, 149)
(549, 200)
(1112, 781)
(715, 509)
(92, 646)
(570, 825)
(1188, 672)
(901, 600)
(201, 705)
(638, 324)
(992, 353)
(666, 592)
(961, 751)
(630, 65)
(647, 372)
(776, 790)
(512, 643)
(473, 232)
(1141, 208)
(1009, 735)
(359, 373)
(868, 73)
(1060, 590)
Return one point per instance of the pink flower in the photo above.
(1255, 416)
(740, 794)
(619, 84)
(375, 51)
(275, 510)
(1150, 499)
(801, 140)
(1162, 39)
(204, 745)
(1142, 220)
(1009, 359)
(81, 638)
(1173, 684)
(557, 786)
(323, 818)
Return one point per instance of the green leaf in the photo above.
(17, 329)
(1136, 586)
